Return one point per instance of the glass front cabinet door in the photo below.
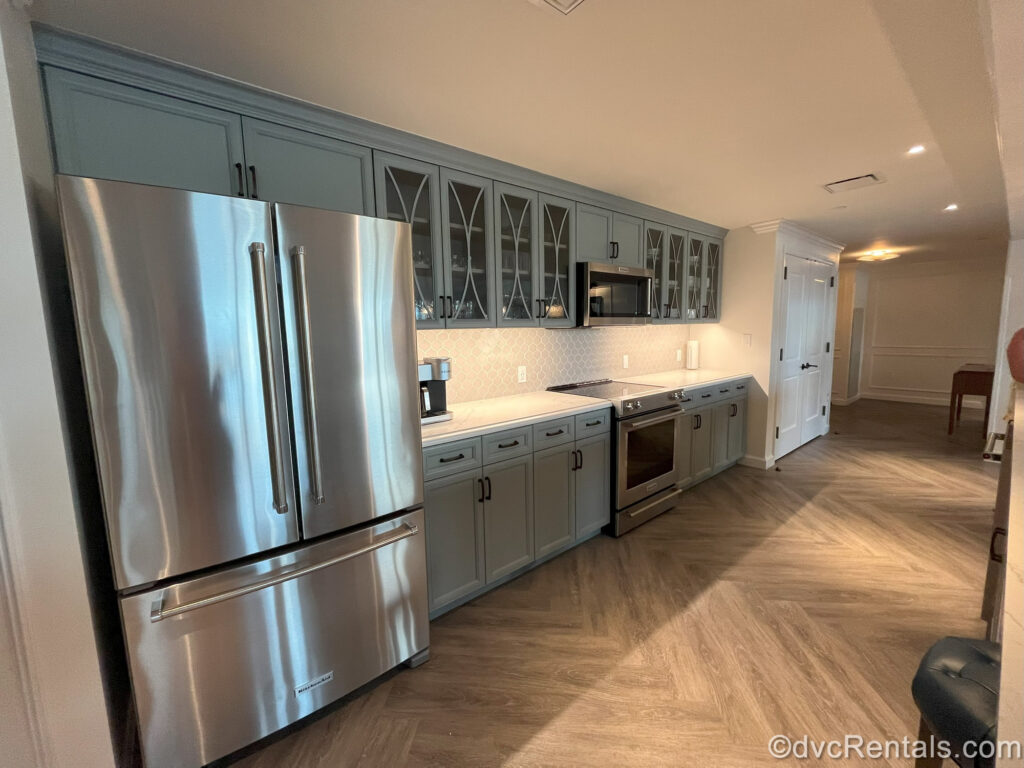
(516, 234)
(712, 306)
(673, 282)
(468, 249)
(557, 260)
(695, 245)
(655, 243)
(408, 190)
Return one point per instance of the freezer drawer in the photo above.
(223, 660)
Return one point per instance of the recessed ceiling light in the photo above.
(878, 256)
(917, 149)
(952, 207)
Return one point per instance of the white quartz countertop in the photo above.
(478, 417)
(684, 378)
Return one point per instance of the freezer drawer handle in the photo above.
(259, 268)
(308, 385)
(158, 611)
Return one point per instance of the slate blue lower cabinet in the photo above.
(494, 506)
(455, 537)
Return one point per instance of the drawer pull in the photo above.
(706, 394)
(449, 459)
(513, 444)
(594, 423)
(741, 386)
(555, 433)
(723, 391)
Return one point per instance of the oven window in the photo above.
(650, 452)
(618, 295)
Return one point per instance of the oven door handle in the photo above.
(672, 413)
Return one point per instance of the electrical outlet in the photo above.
(679, 355)
(748, 339)
(522, 374)
(625, 361)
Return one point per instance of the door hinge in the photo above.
(780, 354)
(823, 410)
(828, 346)
(785, 273)
(832, 282)
(776, 433)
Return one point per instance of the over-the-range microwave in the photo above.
(612, 295)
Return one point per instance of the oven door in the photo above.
(647, 455)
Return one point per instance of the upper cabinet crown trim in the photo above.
(93, 57)
(794, 229)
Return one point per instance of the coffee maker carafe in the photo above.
(434, 372)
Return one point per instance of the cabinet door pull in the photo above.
(705, 311)
(573, 468)
(540, 308)
(255, 190)
(706, 394)
(513, 444)
(448, 459)
(544, 309)
(734, 410)
(241, 180)
(580, 454)
(696, 421)
(451, 308)
(488, 496)
(723, 391)
(483, 496)
(555, 433)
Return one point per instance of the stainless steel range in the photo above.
(650, 429)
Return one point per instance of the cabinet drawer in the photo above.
(448, 458)
(740, 389)
(507, 444)
(701, 397)
(554, 432)
(594, 423)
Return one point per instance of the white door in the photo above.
(804, 368)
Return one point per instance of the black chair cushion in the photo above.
(957, 689)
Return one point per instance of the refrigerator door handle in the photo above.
(258, 252)
(308, 385)
(159, 612)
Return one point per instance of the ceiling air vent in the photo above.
(845, 185)
(564, 6)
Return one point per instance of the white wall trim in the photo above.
(757, 462)
(842, 401)
(792, 229)
(909, 397)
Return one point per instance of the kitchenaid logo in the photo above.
(316, 682)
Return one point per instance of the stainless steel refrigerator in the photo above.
(252, 390)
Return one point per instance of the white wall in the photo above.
(1011, 318)
(852, 296)
(50, 666)
(924, 320)
(748, 301)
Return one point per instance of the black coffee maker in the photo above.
(434, 372)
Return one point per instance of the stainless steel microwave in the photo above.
(612, 295)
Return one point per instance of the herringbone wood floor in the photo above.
(792, 602)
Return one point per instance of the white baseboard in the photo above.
(757, 462)
(845, 400)
(969, 401)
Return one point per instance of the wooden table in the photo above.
(971, 379)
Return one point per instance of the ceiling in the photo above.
(730, 111)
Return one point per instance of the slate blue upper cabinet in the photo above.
(113, 131)
(408, 190)
(468, 249)
(703, 278)
(593, 233)
(517, 268)
(287, 165)
(655, 257)
(695, 248)
(712, 307)
(674, 280)
(627, 240)
(557, 261)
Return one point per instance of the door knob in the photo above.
(805, 366)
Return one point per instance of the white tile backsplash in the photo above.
(485, 361)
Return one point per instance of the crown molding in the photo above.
(792, 229)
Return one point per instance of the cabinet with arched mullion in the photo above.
(468, 249)
(517, 283)
(673, 296)
(557, 263)
(654, 253)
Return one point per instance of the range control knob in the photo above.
(628, 406)
(636, 403)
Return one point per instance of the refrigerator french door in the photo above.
(247, 394)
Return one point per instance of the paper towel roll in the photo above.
(693, 354)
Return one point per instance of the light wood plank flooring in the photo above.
(793, 602)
